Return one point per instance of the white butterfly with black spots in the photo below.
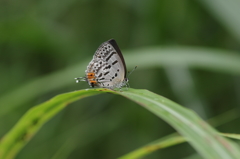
(107, 69)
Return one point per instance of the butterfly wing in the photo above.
(122, 61)
(108, 65)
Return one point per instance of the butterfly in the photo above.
(107, 69)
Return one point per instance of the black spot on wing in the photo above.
(107, 67)
(97, 70)
(100, 75)
(116, 61)
(106, 73)
(110, 56)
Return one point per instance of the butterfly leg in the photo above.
(78, 79)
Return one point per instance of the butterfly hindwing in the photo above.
(108, 65)
(107, 68)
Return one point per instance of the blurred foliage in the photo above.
(40, 38)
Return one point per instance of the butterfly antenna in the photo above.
(129, 73)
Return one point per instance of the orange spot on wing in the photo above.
(90, 75)
(93, 82)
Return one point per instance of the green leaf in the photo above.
(170, 140)
(156, 145)
(233, 136)
(33, 120)
(193, 57)
(175, 139)
(200, 135)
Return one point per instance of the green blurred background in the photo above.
(45, 44)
